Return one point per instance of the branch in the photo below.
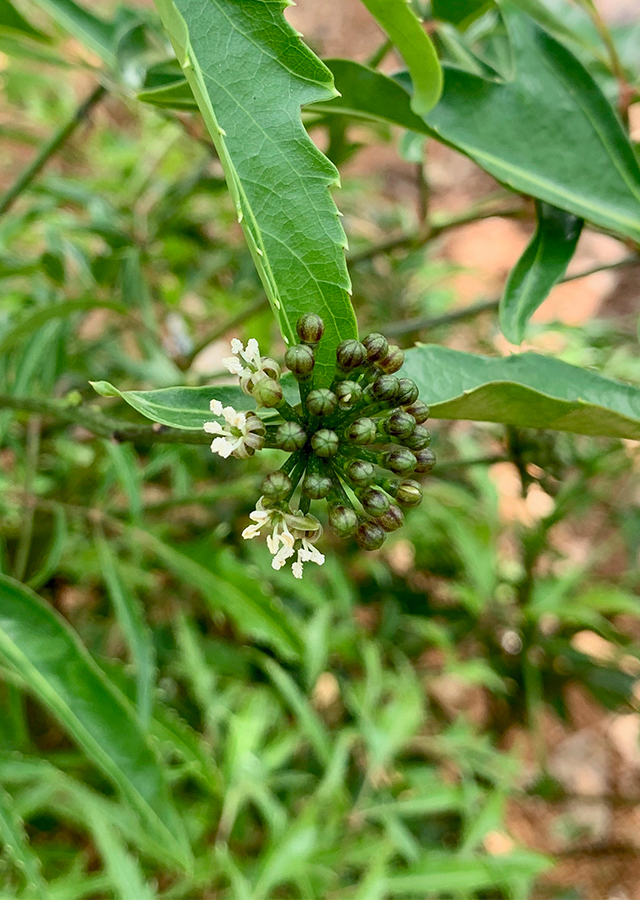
(101, 425)
(50, 149)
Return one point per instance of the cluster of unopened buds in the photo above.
(356, 444)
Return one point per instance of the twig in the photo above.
(420, 323)
(433, 230)
(101, 425)
(625, 90)
(50, 148)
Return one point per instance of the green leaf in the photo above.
(13, 22)
(15, 841)
(229, 590)
(459, 12)
(31, 321)
(88, 29)
(526, 390)
(130, 615)
(540, 267)
(46, 653)
(397, 19)
(278, 178)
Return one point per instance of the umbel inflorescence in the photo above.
(355, 445)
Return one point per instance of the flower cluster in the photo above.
(355, 444)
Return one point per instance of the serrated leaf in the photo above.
(41, 647)
(278, 178)
(528, 390)
(540, 267)
(400, 23)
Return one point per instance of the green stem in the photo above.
(31, 470)
(50, 149)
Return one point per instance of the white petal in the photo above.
(260, 515)
(251, 531)
(296, 568)
(222, 447)
(232, 364)
(214, 428)
(236, 345)
(216, 407)
(252, 353)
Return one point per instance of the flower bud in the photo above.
(290, 437)
(360, 472)
(392, 519)
(400, 460)
(300, 360)
(348, 393)
(407, 392)
(310, 328)
(374, 501)
(316, 486)
(409, 493)
(350, 354)
(425, 461)
(343, 520)
(370, 536)
(393, 361)
(420, 438)
(255, 434)
(400, 424)
(384, 388)
(321, 402)
(325, 443)
(419, 411)
(268, 393)
(362, 431)
(376, 345)
(276, 486)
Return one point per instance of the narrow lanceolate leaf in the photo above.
(540, 267)
(91, 31)
(527, 390)
(403, 28)
(14, 841)
(232, 593)
(250, 74)
(50, 659)
(459, 12)
(13, 23)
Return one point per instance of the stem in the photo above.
(625, 90)
(28, 512)
(50, 148)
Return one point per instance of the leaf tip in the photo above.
(104, 388)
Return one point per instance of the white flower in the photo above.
(248, 365)
(242, 435)
(306, 553)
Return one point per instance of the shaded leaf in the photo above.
(278, 178)
(13, 22)
(398, 20)
(31, 321)
(540, 267)
(41, 647)
(459, 12)
(16, 843)
(90, 30)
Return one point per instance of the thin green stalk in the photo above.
(28, 512)
(50, 149)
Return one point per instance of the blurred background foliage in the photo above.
(453, 716)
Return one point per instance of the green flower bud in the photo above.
(300, 360)
(316, 486)
(390, 486)
(400, 460)
(425, 461)
(310, 328)
(350, 354)
(392, 519)
(409, 493)
(268, 392)
(290, 437)
(370, 536)
(393, 361)
(322, 402)
(276, 486)
(420, 438)
(384, 388)
(374, 501)
(360, 472)
(376, 345)
(407, 392)
(348, 393)
(400, 424)
(419, 411)
(343, 519)
(362, 431)
(325, 443)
